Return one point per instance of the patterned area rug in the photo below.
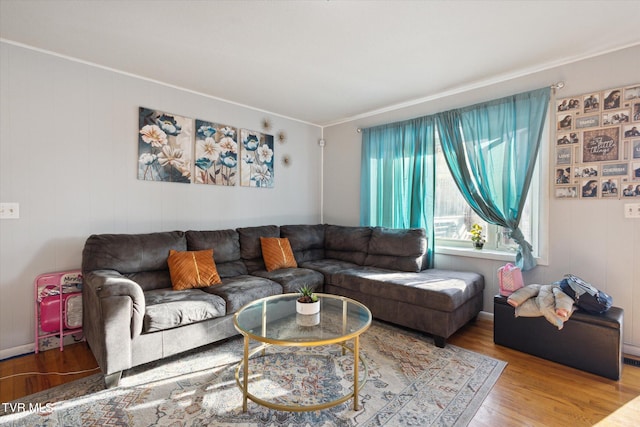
(410, 383)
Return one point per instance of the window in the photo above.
(454, 218)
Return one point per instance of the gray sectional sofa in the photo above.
(133, 316)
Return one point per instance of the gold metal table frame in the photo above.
(340, 320)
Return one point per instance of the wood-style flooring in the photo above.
(530, 392)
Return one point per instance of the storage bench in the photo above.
(589, 342)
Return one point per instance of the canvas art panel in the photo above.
(256, 159)
(165, 146)
(216, 154)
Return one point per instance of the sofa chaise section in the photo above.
(385, 269)
(438, 302)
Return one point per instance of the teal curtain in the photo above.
(397, 177)
(491, 149)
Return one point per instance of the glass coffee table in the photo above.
(273, 321)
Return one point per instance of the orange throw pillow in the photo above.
(277, 253)
(192, 269)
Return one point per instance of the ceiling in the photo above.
(323, 62)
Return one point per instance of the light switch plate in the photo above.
(9, 210)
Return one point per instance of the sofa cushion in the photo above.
(397, 249)
(130, 254)
(226, 249)
(328, 266)
(292, 279)
(277, 253)
(238, 291)
(347, 243)
(441, 290)
(167, 308)
(307, 241)
(250, 248)
(192, 269)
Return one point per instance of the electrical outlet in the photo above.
(9, 210)
(632, 210)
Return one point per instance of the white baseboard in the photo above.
(485, 315)
(631, 349)
(17, 351)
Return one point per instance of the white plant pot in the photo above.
(308, 307)
(308, 319)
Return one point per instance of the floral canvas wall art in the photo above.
(165, 146)
(256, 153)
(216, 154)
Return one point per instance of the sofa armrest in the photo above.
(103, 286)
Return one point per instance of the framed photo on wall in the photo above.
(567, 192)
(601, 145)
(617, 117)
(609, 187)
(631, 93)
(611, 100)
(587, 122)
(565, 122)
(631, 131)
(589, 188)
(563, 155)
(591, 103)
(567, 104)
(635, 147)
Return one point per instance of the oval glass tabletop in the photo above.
(274, 320)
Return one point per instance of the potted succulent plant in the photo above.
(307, 302)
(476, 236)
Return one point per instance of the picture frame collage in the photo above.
(597, 145)
(170, 149)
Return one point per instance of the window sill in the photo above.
(491, 254)
(476, 253)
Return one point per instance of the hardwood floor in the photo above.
(530, 392)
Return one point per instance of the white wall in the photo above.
(590, 238)
(68, 151)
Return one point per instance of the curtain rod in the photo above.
(555, 86)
